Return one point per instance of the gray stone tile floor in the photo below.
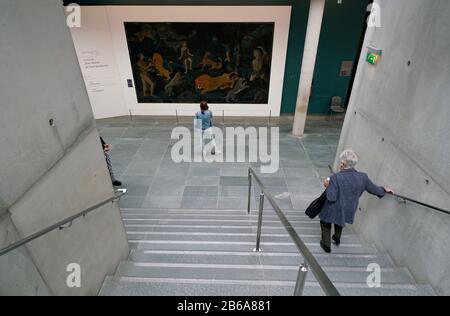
(140, 154)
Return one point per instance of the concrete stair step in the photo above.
(220, 222)
(183, 245)
(194, 212)
(254, 272)
(135, 234)
(221, 229)
(215, 216)
(129, 286)
(231, 218)
(252, 258)
(206, 211)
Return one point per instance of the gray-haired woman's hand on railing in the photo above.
(389, 190)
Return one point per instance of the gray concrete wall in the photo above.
(18, 273)
(49, 173)
(399, 123)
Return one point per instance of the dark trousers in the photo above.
(110, 169)
(326, 233)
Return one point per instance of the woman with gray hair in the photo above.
(342, 197)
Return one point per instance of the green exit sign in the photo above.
(373, 58)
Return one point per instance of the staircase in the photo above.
(198, 252)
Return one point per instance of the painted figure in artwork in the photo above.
(206, 83)
(176, 81)
(240, 86)
(158, 63)
(208, 62)
(227, 53)
(260, 57)
(144, 68)
(186, 56)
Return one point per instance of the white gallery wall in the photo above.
(95, 51)
(102, 50)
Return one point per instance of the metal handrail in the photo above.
(420, 203)
(60, 224)
(411, 200)
(310, 261)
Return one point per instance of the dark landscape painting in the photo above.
(190, 62)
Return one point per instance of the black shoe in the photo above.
(117, 183)
(336, 240)
(325, 248)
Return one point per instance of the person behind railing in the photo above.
(106, 149)
(343, 192)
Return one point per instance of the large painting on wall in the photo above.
(189, 62)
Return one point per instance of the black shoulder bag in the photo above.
(316, 206)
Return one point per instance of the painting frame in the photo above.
(279, 15)
(187, 62)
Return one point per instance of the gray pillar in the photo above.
(309, 60)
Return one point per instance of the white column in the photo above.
(309, 61)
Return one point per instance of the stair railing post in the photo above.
(301, 280)
(249, 190)
(260, 218)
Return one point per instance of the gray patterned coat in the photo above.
(343, 193)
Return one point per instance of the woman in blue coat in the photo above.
(204, 121)
(343, 192)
